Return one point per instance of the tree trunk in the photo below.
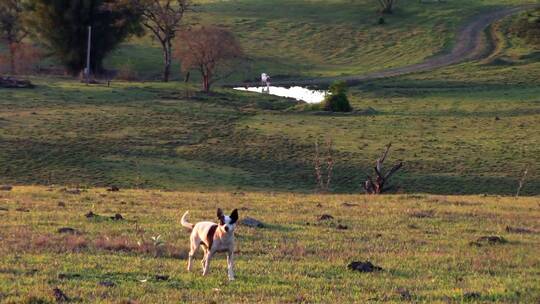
(12, 54)
(167, 57)
(207, 76)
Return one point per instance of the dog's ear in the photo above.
(221, 216)
(234, 216)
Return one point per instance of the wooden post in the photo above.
(88, 55)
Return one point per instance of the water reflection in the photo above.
(298, 93)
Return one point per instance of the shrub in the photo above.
(337, 101)
(127, 72)
(528, 27)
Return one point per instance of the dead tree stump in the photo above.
(378, 186)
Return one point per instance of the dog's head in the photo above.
(227, 223)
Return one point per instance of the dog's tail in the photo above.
(185, 223)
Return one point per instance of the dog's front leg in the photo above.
(230, 265)
(207, 258)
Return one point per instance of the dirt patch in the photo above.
(363, 266)
(251, 222)
(68, 230)
(422, 214)
(72, 191)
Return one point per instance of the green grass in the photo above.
(291, 38)
(466, 129)
(422, 243)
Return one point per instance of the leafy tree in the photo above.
(163, 18)
(527, 26)
(337, 101)
(206, 49)
(12, 31)
(62, 25)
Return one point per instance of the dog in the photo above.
(213, 238)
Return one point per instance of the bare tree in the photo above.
(323, 184)
(206, 49)
(378, 186)
(522, 180)
(163, 18)
(12, 30)
(387, 6)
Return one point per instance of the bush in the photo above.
(337, 101)
(528, 27)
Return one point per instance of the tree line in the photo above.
(61, 26)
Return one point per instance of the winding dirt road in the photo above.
(468, 46)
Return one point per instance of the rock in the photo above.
(90, 215)
(161, 277)
(363, 266)
(107, 284)
(342, 227)
(518, 230)
(251, 222)
(489, 240)
(472, 295)
(117, 217)
(68, 230)
(325, 217)
(6, 187)
(113, 189)
(404, 294)
(60, 296)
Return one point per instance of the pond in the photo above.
(298, 93)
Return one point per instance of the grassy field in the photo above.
(465, 134)
(291, 38)
(466, 129)
(425, 244)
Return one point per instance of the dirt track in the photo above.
(468, 46)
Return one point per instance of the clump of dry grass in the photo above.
(23, 240)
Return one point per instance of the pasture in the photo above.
(427, 246)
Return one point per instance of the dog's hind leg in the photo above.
(195, 243)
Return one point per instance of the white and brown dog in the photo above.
(213, 238)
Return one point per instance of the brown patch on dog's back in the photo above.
(210, 236)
